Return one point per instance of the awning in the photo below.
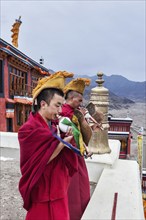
(117, 137)
(23, 101)
(8, 51)
(28, 61)
(10, 100)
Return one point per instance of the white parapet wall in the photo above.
(9, 139)
(114, 177)
(98, 162)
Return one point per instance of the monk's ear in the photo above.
(43, 103)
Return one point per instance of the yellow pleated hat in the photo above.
(77, 85)
(56, 80)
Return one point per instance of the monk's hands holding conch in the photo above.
(68, 138)
(69, 131)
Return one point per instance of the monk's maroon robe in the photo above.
(43, 186)
(79, 188)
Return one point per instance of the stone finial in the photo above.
(99, 97)
(100, 81)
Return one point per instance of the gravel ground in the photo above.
(11, 202)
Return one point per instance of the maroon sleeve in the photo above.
(36, 147)
(71, 160)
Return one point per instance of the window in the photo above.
(18, 81)
(34, 81)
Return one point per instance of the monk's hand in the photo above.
(59, 147)
(88, 153)
(82, 110)
(95, 127)
(69, 131)
(68, 138)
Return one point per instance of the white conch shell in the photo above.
(64, 128)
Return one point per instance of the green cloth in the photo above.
(75, 130)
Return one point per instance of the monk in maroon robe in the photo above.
(79, 188)
(46, 165)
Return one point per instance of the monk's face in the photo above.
(77, 101)
(54, 108)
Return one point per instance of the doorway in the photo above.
(9, 125)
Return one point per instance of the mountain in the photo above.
(121, 87)
(122, 92)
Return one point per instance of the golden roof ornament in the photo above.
(15, 31)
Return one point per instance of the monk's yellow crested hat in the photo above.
(77, 85)
(56, 80)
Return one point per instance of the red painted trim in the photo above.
(114, 207)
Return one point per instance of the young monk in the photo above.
(46, 165)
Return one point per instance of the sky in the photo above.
(83, 37)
